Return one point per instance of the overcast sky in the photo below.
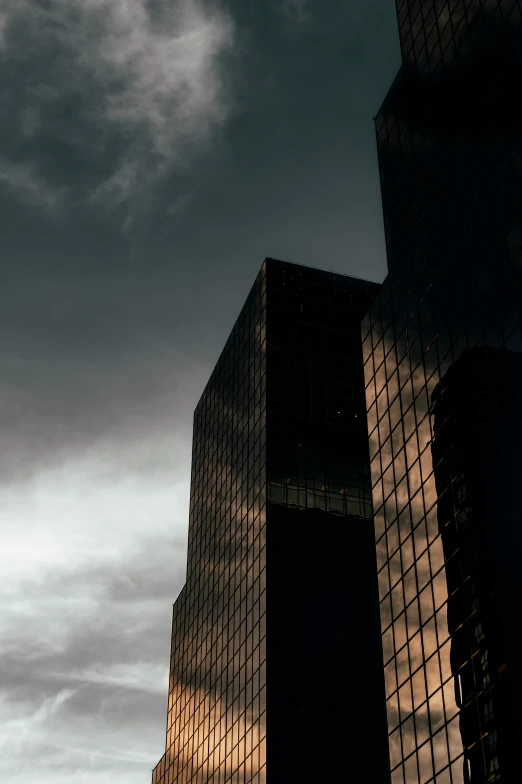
(153, 153)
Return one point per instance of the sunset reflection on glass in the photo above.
(216, 724)
(280, 495)
(449, 144)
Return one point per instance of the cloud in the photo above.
(179, 204)
(297, 10)
(133, 87)
(91, 563)
(83, 381)
(96, 414)
(24, 180)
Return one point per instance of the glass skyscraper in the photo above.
(442, 346)
(276, 663)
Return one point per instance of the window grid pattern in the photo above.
(471, 532)
(452, 203)
(319, 489)
(216, 725)
(437, 33)
(319, 314)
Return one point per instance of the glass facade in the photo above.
(442, 348)
(474, 421)
(280, 607)
(318, 446)
(216, 722)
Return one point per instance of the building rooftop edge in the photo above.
(324, 271)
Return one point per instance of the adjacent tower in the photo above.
(276, 663)
(450, 156)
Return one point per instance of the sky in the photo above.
(153, 154)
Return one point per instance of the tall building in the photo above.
(276, 663)
(450, 155)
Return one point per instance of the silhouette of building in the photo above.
(478, 465)
(450, 157)
(276, 662)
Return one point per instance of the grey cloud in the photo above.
(63, 747)
(297, 10)
(108, 671)
(23, 180)
(57, 403)
(148, 77)
(179, 204)
(106, 592)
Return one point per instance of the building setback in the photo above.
(450, 157)
(276, 663)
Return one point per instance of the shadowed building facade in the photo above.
(476, 413)
(450, 157)
(276, 661)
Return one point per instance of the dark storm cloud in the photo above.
(86, 314)
(152, 155)
(102, 99)
(119, 91)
